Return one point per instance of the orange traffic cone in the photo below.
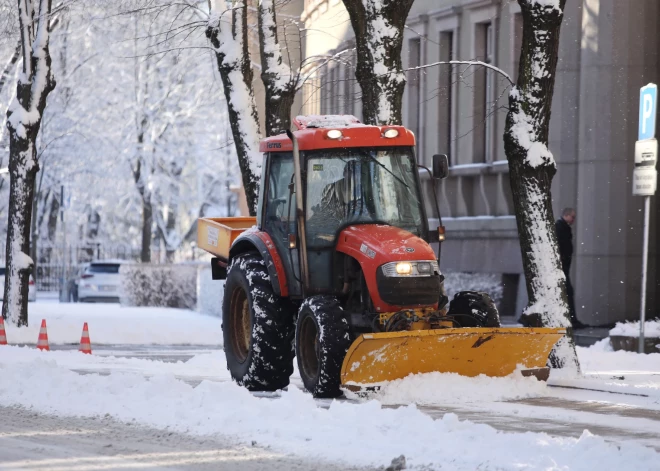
(3, 334)
(85, 345)
(42, 343)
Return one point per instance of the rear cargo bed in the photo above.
(215, 235)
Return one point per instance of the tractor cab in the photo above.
(357, 184)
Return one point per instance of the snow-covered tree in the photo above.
(279, 80)
(378, 27)
(532, 167)
(228, 32)
(24, 116)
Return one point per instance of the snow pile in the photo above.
(598, 359)
(631, 329)
(620, 372)
(445, 388)
(357, 434)
(113, 324)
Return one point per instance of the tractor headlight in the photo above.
(403, 268)
(411, 268)
(424, 267)
(391, 133)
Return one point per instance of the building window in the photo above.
(483, 86)
(350, 84)
(414, 88)
(334, 90)
(445, 92)
(323, 93)
(516, 40)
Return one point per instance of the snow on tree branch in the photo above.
(229, 38)
(378, 27)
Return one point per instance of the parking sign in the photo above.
(648, 100)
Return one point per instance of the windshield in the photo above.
(108, 268)
(357, 185)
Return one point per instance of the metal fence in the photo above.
(57, 264)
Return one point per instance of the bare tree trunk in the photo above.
(24, 120)
(229, 39)
(532, 167)
(378, 30)
(147, 221)
(278, 79)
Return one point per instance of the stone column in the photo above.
(619, 45)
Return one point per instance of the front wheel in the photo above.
(474, 309)
(322, 340)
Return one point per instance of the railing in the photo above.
(473, 190)
(56, 264)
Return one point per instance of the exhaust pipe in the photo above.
(300, 214)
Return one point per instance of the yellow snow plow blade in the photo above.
(378, 357)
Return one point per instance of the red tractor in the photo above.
(337, 269)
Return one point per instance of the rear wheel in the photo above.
(322, 340)
(474, 309)
(257, 327)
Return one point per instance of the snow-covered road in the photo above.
(435, 420)
(30, 441)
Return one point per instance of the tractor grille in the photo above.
(408, 291)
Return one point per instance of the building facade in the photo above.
(608, 51)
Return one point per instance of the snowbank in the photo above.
(201, 366)
(602, 368)
(619, 372)
(114, 324)
(631, 329)
(444, 388)
(599, 359)
(358, 434)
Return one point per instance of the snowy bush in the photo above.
(159, 285)
(490, 283)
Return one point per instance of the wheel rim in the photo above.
(241, 324)
(309, 348)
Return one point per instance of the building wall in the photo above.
(608, 50)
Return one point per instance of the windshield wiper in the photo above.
(371, 157)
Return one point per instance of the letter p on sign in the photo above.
(648, 100)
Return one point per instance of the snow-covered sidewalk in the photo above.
(112, 324)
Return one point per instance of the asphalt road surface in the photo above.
(35, 442)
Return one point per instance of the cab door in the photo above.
(279, 215)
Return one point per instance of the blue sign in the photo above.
(648, 101)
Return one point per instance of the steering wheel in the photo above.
(274, 207)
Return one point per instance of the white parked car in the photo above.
(100, 282)
(32, 288)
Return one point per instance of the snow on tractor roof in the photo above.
(326, 121)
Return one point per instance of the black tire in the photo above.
(320, 356)
(257, 327)
(474, 309)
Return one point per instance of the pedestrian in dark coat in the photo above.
(565, 242)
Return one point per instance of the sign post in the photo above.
(645, 178)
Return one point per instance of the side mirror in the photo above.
(440, 166)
